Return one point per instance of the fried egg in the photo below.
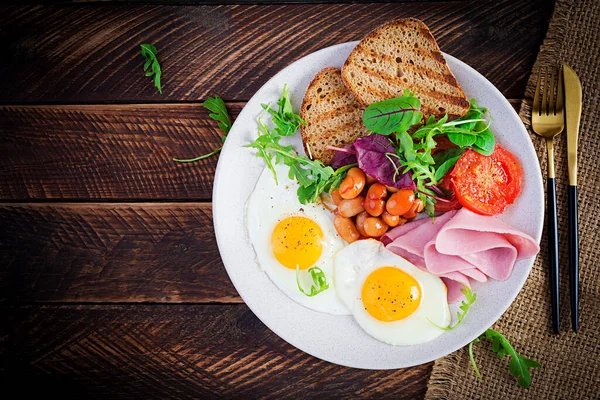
(286, 234)
(390, 298)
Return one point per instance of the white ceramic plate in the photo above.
(339, 339)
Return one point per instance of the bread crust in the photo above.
(332, 113)
(432, 80)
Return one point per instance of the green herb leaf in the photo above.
(286, 122)
(485, 142)
(462, 139)
(407, 146)
(393, 115)
(465, 305)
(472, 358)
(188, 160)
(336, 179)
(149, 52)
(444, 162)
(219, 113)
(318, 278)
(519, 366)
(430, 207)
(313, 176)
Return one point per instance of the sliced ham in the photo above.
(461, 246)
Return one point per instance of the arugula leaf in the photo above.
(465, 305)
(313, 176)
(470, 130)
(444, 161)
(519, 366)
(431, 127)
(319, 281)
(336, 179)
(429, 207)
(407, 146)
(202, 157)
(393, 115)
(149, 52)
(286, 122)
(219, 114)
(472, 358)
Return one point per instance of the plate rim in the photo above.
(277, 331)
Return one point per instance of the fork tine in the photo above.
(551, 91)
(545, 94)
(536, 99)
(559, 95)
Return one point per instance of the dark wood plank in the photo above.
(157, 252)
(111, 252)
(90, 53)
(183, 352)
(221, 2)
(107, 151)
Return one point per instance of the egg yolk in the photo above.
(390, 294)
(297, 241)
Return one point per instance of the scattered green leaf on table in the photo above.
(219, 113)
(150, 52)
(519, 366)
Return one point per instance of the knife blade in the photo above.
(573, 105)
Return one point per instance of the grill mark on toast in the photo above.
(436, 55)
(432, 55)
(328, 122)
(427, 34)
(327, 135)
(446, 78)
(334, 113)
(378, 92)
(455, 100)
(356, 74)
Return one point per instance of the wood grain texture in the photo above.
(183, 352)
(221, 2)
(107, 252)
(107, 151)
(90, 53)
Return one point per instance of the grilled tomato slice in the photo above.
(487, 184)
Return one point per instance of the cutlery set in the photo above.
(557, 102)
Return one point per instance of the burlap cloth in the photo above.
(570, 362)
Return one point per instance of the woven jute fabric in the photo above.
(570, 361)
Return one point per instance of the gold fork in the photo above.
(548, 120)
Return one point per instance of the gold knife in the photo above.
(573, 101)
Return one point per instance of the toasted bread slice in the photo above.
(404, 55)
(332, 114)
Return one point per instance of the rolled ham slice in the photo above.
(461, 246)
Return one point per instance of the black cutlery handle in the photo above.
(553, 252)
(573, 257)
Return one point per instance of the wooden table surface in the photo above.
(111, 284)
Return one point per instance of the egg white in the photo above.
(270, 203)
(352, 266)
